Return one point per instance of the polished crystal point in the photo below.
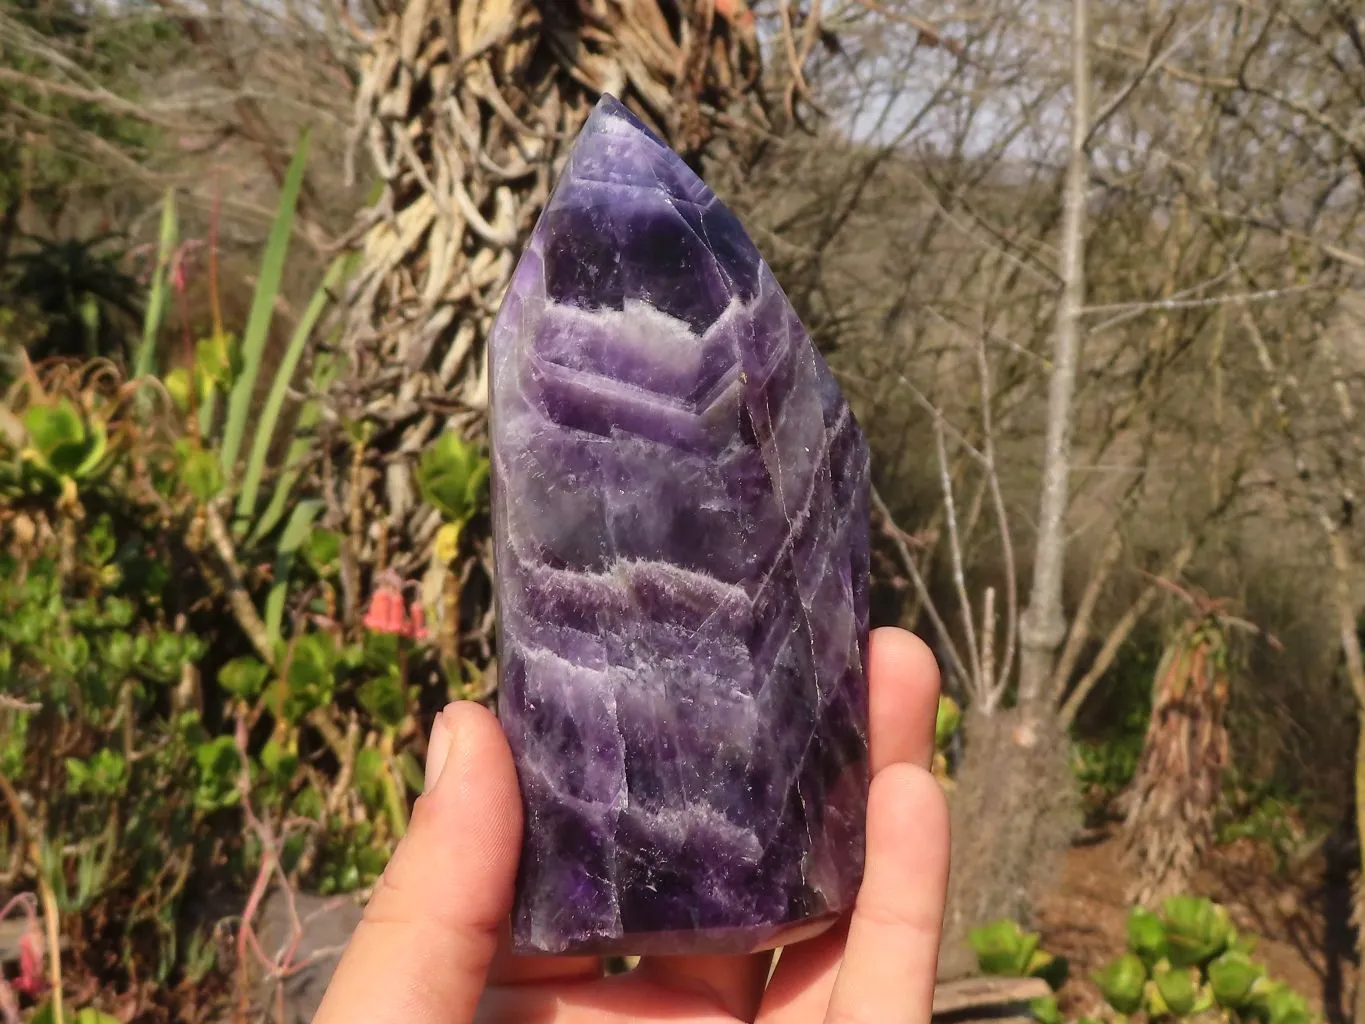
(680, 509)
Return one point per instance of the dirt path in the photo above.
(1304, 937)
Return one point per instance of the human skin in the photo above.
(433, 945)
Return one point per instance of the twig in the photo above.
(243, 609)
(282, 964)
(958, 668)
(998, 681)
(955, 556)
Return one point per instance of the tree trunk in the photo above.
(1015, 797)
(1043, 624)
(1358, 1007)
(467, 110)
(1348, 626)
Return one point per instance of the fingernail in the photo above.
(438, 749)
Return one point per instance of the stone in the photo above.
(327, 923)
(680, 517)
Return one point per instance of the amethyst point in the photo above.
(680, 509)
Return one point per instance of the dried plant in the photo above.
(1169, 810)
(466, 111)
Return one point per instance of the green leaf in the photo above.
(946, 721)
(1179, 987)
(92, 1016)
(1154, 1002)
(218, 766)
(371, 860)
(284, 374)
(180, 386)
(202, 953)
(382, 696)
(262, 308)
(199, 471)
(108, 772)
(1277, 1003)
(1232, 976)
(77, 775)
(213, 361)
(99, 541)
(369, 776)
(1003, 949)
(412, 772)
(322, 551)
(143, 363)
(451, 475)
(57, 433)
(1121, 981)
(243, 677)
(1197, 930)
(311, 675)
(1146, 935)
(308, 804)
(324, 372)
(165, 656)
(1044, 1010)
(118, 611)
(295, 531)
(279, 762)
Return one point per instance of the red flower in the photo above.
(31, 981)
(418, 629)
(386, 614)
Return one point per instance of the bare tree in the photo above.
(1043, 624)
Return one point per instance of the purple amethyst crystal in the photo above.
(680, 507)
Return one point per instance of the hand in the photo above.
(432, 946)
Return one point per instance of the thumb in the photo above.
(422, 951)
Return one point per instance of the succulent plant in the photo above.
(1146, 935)
(1197, 930)
(1123, 982)
(1184, 962)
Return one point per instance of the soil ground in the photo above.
(1301, 920)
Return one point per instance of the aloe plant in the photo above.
(262, 310)
(295, 533)
(209, 461)
(270, 415)
(145, 360)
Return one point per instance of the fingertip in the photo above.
(903, 682)
(903, 654)
(475, 802)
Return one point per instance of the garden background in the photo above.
(1090, 272)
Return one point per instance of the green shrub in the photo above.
(185, 708)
